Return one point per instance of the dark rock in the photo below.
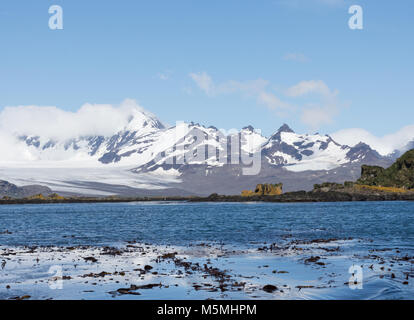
(96, 275)
(312, 259)
(146, 286)
(127, 291)
(269, 288)
(91, 259)
(21, 298)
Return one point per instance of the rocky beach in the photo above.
(291, 269)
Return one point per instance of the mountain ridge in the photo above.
(195, 158)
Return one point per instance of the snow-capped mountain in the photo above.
(140, 131)
(301, 152)
(304, 152)
(147, 144)
(149, 154)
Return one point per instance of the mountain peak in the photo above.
(248, 128)
(362, 145)
(362, 151)
(139, 119)
(285, 128)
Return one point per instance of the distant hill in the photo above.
(8, 189)
(399, 175)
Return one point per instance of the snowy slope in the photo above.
(304, 152)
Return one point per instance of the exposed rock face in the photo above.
(11, 190)
(370, 174)
(266, 189)
(398, 175)
(363, 153)
(269, 189)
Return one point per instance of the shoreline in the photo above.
(288, 197)
(290, 269)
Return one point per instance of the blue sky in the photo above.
(223, 63)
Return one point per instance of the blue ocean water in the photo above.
(378, 237)
(383, 223)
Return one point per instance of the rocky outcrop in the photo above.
(314, 196)
(10, 190)
(399, 175)
(370, 174)
(266, 189)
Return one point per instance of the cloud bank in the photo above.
(54, 123)
(384, 145)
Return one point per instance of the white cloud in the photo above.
(54, 123)
(163, 76)
(272, 102)
(166, 75)
(299, 57)
(316, 117)
(315, 113)
(204, 82)
(384, 145)
(253, 88)
(311, 86)
(13, 149)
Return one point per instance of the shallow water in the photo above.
(233, 237)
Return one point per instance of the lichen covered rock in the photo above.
(266, 189)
